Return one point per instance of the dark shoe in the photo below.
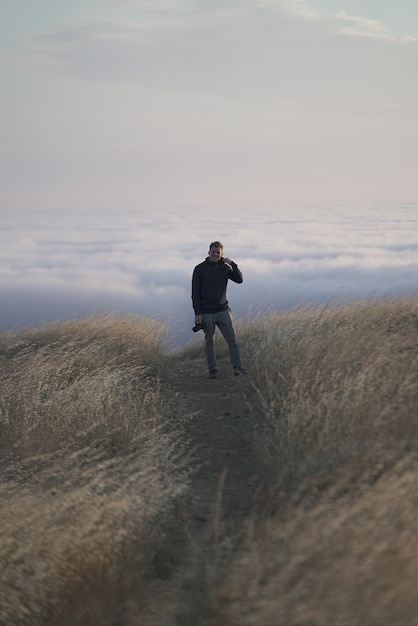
(213, 373)
(239, 371)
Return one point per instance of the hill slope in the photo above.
(135, 490)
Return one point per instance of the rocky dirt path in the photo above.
(220, 430)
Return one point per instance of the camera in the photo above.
(197, 328)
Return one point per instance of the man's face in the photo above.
(215, 254)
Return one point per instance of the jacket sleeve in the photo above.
(235, 275)
(196, 291)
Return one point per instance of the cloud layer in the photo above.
(72, 264)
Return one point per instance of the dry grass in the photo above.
(334, 540)
(91, 471)
(93, 475)
(335, 383)
(79, 382)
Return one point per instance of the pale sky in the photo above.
(168, 104)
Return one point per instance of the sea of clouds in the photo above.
(60, 265)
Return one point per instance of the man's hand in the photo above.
(198, 319)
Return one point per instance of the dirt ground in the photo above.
(217, 421)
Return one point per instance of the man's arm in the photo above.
(196, 294)
(235, 273)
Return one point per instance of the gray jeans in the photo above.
(224, 322)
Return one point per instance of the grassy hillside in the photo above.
(335, 537)
(96, 472)
(91, 471)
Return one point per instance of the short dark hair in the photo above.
(216, 244)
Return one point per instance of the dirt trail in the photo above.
(220, 429)
(222, 432)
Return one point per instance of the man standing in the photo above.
(210, 305)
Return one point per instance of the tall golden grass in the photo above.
(334, 383)
(95, 475)
(334, 539)
(91, 471)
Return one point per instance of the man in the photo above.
(210, 305)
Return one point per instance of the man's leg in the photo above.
(226, 326)
(210, 327)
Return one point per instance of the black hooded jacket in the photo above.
(209, 284)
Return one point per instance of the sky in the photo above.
(181, 104)
(134, 132)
